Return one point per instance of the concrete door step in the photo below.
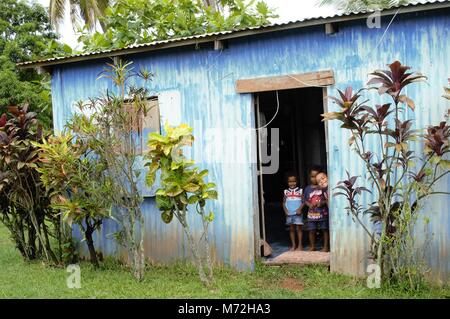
(300, 258)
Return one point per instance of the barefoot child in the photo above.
(322, 180)
(318, 210)
(292, 205)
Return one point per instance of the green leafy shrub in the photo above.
(106, 125)
(90, 172)
(182, 186)
(76, 184)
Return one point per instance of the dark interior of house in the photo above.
(301, 145)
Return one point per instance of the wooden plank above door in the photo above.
(285, 82)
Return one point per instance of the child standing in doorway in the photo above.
(322, 181)
(315, 199)
(292, 205)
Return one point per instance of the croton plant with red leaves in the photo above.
(437, 140)
(24, 205)
(394, 80)
(400, 178)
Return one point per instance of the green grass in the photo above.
(19, 279)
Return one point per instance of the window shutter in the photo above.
(170, 108)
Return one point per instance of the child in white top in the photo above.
(292, 206)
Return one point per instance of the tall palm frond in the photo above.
(57, 11)
(89, 12)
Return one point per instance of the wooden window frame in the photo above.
(139, 123)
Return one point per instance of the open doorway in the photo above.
(302, 144)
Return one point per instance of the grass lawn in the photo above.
(19, 279)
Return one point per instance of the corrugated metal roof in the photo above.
(223, 35)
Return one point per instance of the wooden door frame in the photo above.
(260, 215)
(285, 82)
(322, 79)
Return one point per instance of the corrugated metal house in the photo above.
(225, 84)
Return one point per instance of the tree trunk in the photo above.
(90, 243)
(207, 247)
(380, 251)
(47, 244)
(41, 241)
(58, 226)
(31, 242)
(197, 258)
(138, 250)
(141, 245)
(194, 248)
(21, 238)
(138, 271)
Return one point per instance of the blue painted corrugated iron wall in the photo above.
(206, 79)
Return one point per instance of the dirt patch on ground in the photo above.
(292, 284)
